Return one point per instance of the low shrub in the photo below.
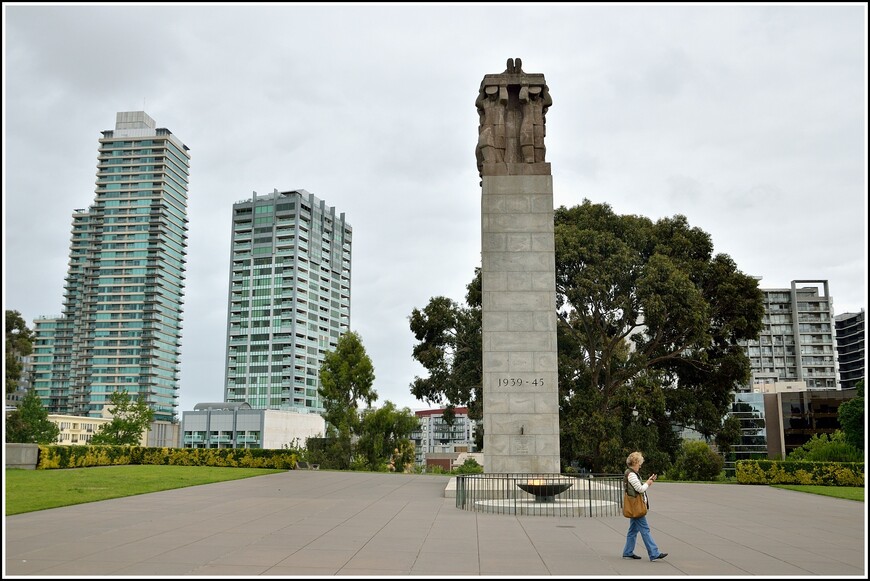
(53, 456)
(800, 472)
(470, 466)
(696, 461)
(827, 448)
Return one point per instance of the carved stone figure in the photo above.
(514, 67)
(491, 105)
(534, 101)
(512, 108)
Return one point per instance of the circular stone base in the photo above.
(532, 507)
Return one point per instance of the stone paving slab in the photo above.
(353, 524)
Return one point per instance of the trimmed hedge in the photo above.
(800, 472)
(53, 456)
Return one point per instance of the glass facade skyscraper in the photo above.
(44, 366)
(123, 295)
(289, 298)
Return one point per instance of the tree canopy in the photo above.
(450, 348)
(384, 433)
(375, 439)
(19, 343)
(29, 423)
(850, 414)
(346, 378)
(129, 421)
(650, 321)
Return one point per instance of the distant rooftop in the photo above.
(223, 405)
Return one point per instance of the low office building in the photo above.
(237, 425)
(78, 431)
(775, 419)
(794, 417)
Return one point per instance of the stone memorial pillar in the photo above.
(520, 380)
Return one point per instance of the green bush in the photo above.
(696, 461)
(827, 448)
(53, 456)
(800, 472)
(470, 466)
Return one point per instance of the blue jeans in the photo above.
(639, 525)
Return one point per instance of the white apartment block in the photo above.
(436, 437)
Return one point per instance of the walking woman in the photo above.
(639, 524)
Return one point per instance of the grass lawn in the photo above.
(30, 490)
(847, 492)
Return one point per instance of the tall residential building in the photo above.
(123, 296)
(797, 341)
(850, 348)
(289, 298)
(45, 371)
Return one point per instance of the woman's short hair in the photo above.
(634, 458)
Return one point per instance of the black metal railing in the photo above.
(594, 495)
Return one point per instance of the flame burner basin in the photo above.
(544, 491)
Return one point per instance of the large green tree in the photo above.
(650, 321)
(450, 348)
(383, 433)
(850, 414)
(29, 423)
(19, 343)
(130, 419)
(346, 379)
(682, 310)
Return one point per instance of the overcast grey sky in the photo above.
(749, 120)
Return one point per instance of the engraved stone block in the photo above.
(523, 445)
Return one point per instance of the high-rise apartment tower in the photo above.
(289, 298)
(123, 295)
(850, 348)
(797, 341)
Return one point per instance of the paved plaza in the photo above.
(311, 523)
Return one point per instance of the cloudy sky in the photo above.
(749, 120)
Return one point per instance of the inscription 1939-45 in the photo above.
(520, 382)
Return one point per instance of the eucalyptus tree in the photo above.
(346, 379)
(19, 343)
(650, 322)
(851, 417)
(449, 346)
